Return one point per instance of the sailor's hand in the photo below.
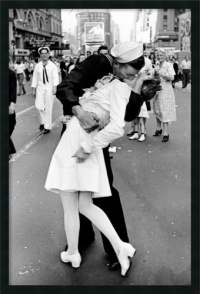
(88, 120)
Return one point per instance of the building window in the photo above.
(15, 14)
(41, 24)
(165, 17)
(164, 27)
(30, 19)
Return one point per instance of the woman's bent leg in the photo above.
(98, 218)
(102, 222)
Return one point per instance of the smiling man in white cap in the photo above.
(125, 63)
(44, 83)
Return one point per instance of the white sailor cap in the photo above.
(44, 47)
(127, 51)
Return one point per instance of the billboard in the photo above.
(185, 31)
(94, 32)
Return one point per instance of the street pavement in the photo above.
(154, 181)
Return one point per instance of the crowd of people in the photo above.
(100, 93)
(23, 70)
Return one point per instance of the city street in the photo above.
(154, 181)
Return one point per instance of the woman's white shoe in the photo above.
(126, 252)
(134, 137)
(142, 138)
(75, 259)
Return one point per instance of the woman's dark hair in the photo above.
(137, 63)
(154, 57)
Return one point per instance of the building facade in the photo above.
(160, 28)
(114, 34)
(167, 29)
(143, 26)
(30, 29)
(93, 29)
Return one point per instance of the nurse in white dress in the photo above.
(77, 170)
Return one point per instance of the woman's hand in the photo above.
(80, 155)
(146, 75)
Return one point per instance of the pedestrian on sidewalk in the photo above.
(20, 71)
(83, 76)
(31, 68)
(44, 82)
(12, 115)
(103, 49)
(185, 67)
(164, 101)
(81, 58)
(26, 65)
(139, 124)
(176, 69)
(152, 57)
(77, 170)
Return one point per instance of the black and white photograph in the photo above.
(100, 128)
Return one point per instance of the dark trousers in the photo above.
(27, 75)
(186, 77)
(12, 123)
(176, 79)
(111, 206)
(20, 78)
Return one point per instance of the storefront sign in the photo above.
(22, 52)
(40, 43)
(168, 50)
(94, 32)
